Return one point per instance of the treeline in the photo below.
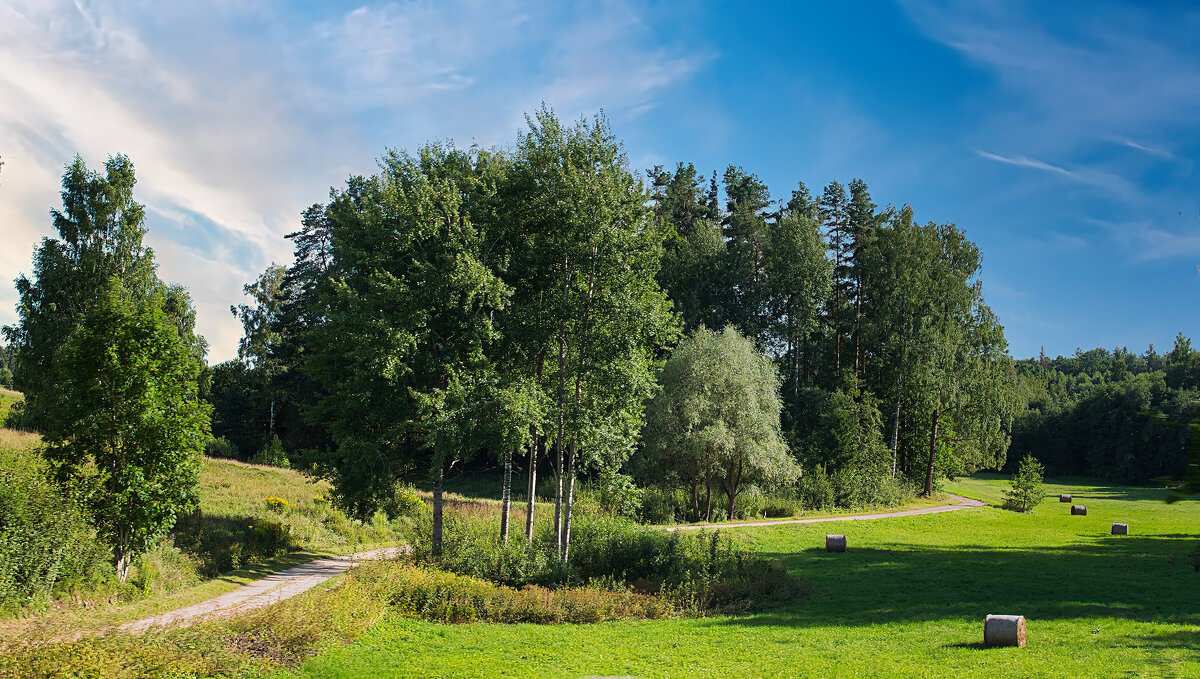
(1091, 414)
(520, 304)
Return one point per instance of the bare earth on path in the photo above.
(963, 503)
(273, 588)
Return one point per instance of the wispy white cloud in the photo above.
(1022, 161)
(1089, 176)
(1161, 153)
(1108, 97)
(238, 115)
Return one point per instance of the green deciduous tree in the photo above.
(408, 305)
(126, 422)
(110, 363)
(715, 423)
(1026, 491)
(584, 255)
(100, 231)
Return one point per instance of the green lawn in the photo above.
(907, 600)
(8, 398)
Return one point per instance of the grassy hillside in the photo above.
(908, 599)
(8, 398)
(233, 537)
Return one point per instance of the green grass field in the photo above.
(8, 398)
(907, 600)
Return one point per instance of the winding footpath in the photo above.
(963, 503)
(273, 588)
(287, 584)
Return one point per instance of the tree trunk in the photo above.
(932, 454)
(558, 443)
(565, 535)
(565, 538)
(707, 495)
(895, 442)
(121, 556)
(437, 509)
(735, 482)
(533, 456)
(695, 497)
(506, 497)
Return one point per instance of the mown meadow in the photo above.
(907, 599)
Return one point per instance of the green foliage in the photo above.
(1102, 427)
(221, 447)
(410, 300)
(273, 455)
(126, 424)
(1026, 491)
(697, 573)
(716, 420)
(44, 538)
(12, 406)
(235, 394)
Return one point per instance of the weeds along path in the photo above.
(287, 584)
(963, 503)
(275, 587)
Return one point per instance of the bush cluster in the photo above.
(699, 573)
(44, 539)
(273, 455)
(223, 544)
(221, 447)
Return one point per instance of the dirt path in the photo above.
(293, 581)
(275, 587)
(963, 503)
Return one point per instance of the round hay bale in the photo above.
(1120, 529)
(1078, 510)
(835, 543)
(1064, 498)
(1004, 630)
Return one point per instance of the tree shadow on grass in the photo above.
(1116, 576)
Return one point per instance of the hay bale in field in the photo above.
(1078, 510)
(1120, 529)
(1064, 498)
(835, 543)
(1004, 630)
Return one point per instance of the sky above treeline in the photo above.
(1062, 137)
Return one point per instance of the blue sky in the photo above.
(1062, 137)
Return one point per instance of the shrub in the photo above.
(816, 491)
(699, 573)
(405, 502)
(620, 496)
(659, 506)
(273, 455)
(277, 504)
(447, 597)
(778, 507)
(43, 535)
(750, 503)
(1026, 491)
(221, 447)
